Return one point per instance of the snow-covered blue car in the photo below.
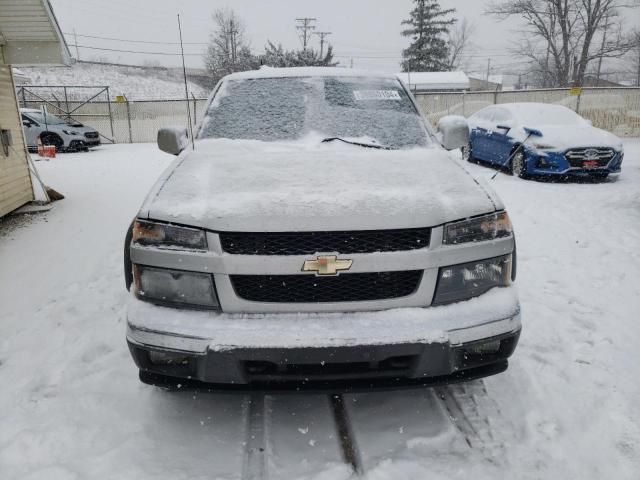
(536, 139)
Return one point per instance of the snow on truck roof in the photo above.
(270, 72)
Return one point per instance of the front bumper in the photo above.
(386, 349)
(555, 164)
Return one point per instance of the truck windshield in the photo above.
(368, 110)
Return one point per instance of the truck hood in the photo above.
(232, 185)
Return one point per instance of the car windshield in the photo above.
(50, 119)
(375, 111)
(549, 115)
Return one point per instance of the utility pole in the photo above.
(638, 77)
(322, 35)
(604, 39)
(75, 40)
(488, 70)
(546, 81)
(233, 31)
(305, 26)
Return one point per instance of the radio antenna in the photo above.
(186, 90)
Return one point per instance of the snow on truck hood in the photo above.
(233, 185)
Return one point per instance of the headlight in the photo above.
(165, 235)
(69, 132)
(487, 227)
(175, 287)
(467, 280)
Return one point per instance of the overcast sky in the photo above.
(367, 31)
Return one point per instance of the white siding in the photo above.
(29, 33)
(15, 180)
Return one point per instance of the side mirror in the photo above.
(172, 140)
(26, 123)
(454, 131)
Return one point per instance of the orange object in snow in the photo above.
(49, 151)
(46, 151)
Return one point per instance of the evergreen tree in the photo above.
(428, 28)
(277, 56)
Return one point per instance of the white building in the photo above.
(29, 34)
(435, 81)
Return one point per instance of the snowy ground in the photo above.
(72, 407)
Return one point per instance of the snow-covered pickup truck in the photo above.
(317, 234)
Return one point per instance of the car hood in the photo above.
(72, 127)
(571, 136)
(232, 185)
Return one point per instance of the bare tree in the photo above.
(228, 51)
(460, 45)
(562, 35)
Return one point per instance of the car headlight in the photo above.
(165, 235)
(478, 229)
(175, 287)
(69, 132)
(468, 280)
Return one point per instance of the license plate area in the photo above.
(590, 164)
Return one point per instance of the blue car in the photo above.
(537, 139)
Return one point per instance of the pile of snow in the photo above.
(136, 83)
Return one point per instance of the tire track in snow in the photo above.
(349, 446)
(254, 465)
(476, 414)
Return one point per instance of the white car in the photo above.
(543, 140)
(317, 234)
(49, 129)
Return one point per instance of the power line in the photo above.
(113, 39)
(134, 51)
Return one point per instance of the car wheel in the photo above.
(52, 139)
(519, 165)
(467, 153)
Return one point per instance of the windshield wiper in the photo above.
(360, 144)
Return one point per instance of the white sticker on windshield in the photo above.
(376, 95)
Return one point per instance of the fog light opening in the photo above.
(488, 348)
(168, 359)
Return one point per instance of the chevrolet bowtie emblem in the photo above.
(326, 265)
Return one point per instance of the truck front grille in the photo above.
(348, 287)
(307, 243)
(577, 156)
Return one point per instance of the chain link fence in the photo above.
(614, 109)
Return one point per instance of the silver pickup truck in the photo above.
(316, 234)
